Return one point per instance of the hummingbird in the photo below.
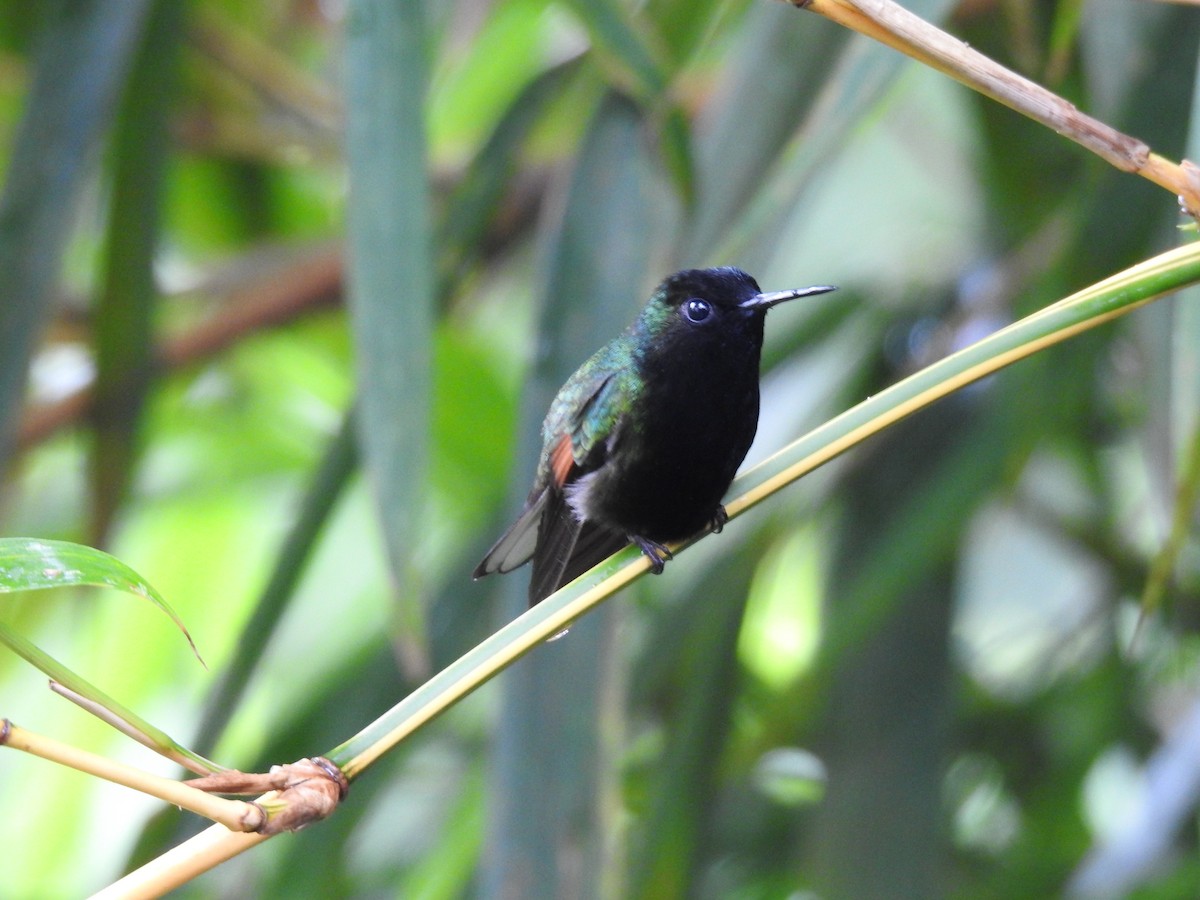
(641, 443)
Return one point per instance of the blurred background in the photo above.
(919, 672)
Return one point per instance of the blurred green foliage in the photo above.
(917, 673)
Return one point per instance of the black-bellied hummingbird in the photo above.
(643, 440)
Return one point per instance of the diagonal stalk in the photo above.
(1090, 307)
(1095, 305)
(235, 815)
(893, 25)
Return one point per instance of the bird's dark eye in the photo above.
(696, 310)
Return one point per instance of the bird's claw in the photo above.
(657, 553)
(717, 522)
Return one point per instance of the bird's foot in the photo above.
(657, 553)
(717, 522)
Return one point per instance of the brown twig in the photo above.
(294, 795)
(315, 280)
(895, 26)
(236, 815)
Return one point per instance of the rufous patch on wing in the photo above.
(562, 460)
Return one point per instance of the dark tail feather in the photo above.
(557, 534)
(567, 548)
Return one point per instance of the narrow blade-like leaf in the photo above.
(33, 564)
(390, 272)
(81, 61)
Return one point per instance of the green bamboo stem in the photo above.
(1093, 306)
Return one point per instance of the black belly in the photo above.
(664, 481)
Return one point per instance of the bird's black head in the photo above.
(725, 286)
(724, 303)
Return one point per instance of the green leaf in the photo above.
(82, 57)
(740, 139)
(391, 277)
(676, 138)
(623, 48)
(477, 197)
(31, 564)
(634, 64)
(122, 325)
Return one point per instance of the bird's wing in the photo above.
(517, 544)
(576, 437)
(578, 444)
(571, 434)
(594, 424)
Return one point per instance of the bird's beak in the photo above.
(766, 301)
